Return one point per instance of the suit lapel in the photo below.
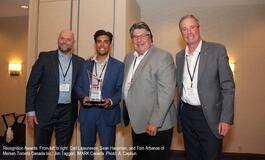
(128, 62)
(180, 73)
(90, 70)
(55, 65)
(74, 68)
(203, 58)
(143, 62)
(181, 66)
(107, 76)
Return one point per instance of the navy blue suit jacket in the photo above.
(43, 85)
(112, 88)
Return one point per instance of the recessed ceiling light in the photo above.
(24, 6)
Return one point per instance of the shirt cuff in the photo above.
(31, 113)
(111, 103)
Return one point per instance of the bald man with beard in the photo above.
(50, 101)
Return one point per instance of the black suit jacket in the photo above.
(43, 85)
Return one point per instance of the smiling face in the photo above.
(102, 45)
(66, 41)
(141, 40)
(190, 31)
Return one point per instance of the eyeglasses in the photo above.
(144, 36)
(185, 29)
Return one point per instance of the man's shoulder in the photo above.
(130, 54)
(48, 53)
(213, 44)
(160, 54)
(157, 50)
(180, 53)
(79, 58)
(116, 61)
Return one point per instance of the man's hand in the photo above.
(106, 103)
(223, 128)
(32, 120)
(86, 101)
(151, 129)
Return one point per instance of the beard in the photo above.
(64, 48)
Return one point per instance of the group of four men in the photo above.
(145, 85)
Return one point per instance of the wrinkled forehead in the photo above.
(140, 31)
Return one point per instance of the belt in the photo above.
(192, 107)
(63, 104)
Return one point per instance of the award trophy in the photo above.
(95, 95)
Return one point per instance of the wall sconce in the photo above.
(232, 66)
(14, 69)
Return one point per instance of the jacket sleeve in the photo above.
(34, 83)
(81, 87)
(166, 82)
(116, 98)
(227, 87)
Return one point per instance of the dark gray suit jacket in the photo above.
(43, 85)
(216, 86)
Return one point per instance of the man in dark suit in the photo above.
(50, 102)
(206, 92)
(148, 95)
(100, 75)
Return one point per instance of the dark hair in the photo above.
(103, 33)
(141, 25)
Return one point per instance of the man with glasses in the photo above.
(148, 95)
(206, 93)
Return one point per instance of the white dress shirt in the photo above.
(137, 59)
(190, 91)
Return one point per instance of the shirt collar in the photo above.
(105, 61)
(197, 50)
(62, 55)
(139, 56)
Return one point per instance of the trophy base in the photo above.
(95, 102)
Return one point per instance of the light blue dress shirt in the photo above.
(65, 77)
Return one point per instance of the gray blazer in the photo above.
(150, 96)
(216, 86)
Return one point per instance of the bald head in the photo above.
(66, 41)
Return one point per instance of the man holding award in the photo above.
(99, 91)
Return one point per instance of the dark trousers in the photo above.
(152, 147)
(200, 143)
(107, 135)
(62, 122)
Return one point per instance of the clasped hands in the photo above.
(105, 104)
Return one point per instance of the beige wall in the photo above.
(13, 48)
(85, 17)
(241, 29)
(93, 16)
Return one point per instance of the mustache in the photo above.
(64, 49)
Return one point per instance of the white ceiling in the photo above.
(165, 7)
(176, 4)
(11, 8)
